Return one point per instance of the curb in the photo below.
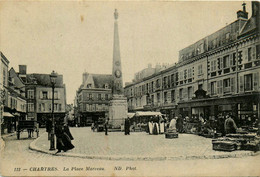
(140, 158)
(3, 142)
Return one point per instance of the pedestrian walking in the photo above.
(63, 141)
(127, 126)
(48, 127)
(106, 126)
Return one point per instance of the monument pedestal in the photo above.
(117, 111)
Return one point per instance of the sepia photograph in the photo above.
(129, 88)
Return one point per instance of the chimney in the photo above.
(242, 14)
(22, 69)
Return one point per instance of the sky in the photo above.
(72, 37)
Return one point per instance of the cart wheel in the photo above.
(18, 135)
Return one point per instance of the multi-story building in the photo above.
(93, 97)
(16, 96)
(218, 74)
(38, 91)
(4, 63)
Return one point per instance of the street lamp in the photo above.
(53, 78)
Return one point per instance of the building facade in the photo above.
(38, 91)
(4, 115)
(92, 97)
(218, 74)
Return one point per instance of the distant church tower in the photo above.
(117, 88)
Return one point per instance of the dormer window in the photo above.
(106, 86)
(89, 85)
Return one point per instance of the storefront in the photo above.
(244, 108)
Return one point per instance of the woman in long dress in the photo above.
(63, 141)
(162, 124)
(150, 125)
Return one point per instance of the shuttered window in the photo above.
(241, 83)
(256, 81)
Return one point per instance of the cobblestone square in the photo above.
(139, 145)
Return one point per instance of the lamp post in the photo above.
(53, 77)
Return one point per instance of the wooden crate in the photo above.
(171, 135)
(224, 146)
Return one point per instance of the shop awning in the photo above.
(7, 114)
(130, 115)
(148, 113)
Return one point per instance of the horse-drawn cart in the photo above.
(29, 125)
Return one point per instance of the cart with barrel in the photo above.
(29, 125)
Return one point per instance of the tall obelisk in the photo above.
(118, 103)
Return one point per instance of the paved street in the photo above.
(18, 155)
(140, 145)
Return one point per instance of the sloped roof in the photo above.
(249, 26)
(101, 79)
(44, 80)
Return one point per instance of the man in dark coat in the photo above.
(106, 125)
(63, 141)
(48, 127)
(127, 126)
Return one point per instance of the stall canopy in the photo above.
(130, 114)
(7, 114)
(148, 113)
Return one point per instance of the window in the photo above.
(4, 76)
(181, 75)
(106, 86)
(227, 36)
(44, 95)
(213, 65)
(249, 54)
(30, 94)
(56, 95)
(157, 83)
(213, 88)
(84, 107)
(248, 82)
(214, 43)
(158, 97)
(43, 107)
(99, 96)
(173, 95)
(226, 85)
(200, 87)
(59, 107)
(30, 107)
(90, 96)
(189, 73)
(152, 87)
(55, 107)
(190, 92)
(200, 70)
(226, 61)
(165, 97)
(152, 99)
(106, 96)
(89, 85)
(257, 51)
(172, 79)
(180, 93)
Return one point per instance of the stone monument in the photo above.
(118, 103)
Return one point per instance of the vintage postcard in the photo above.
(130, 88)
